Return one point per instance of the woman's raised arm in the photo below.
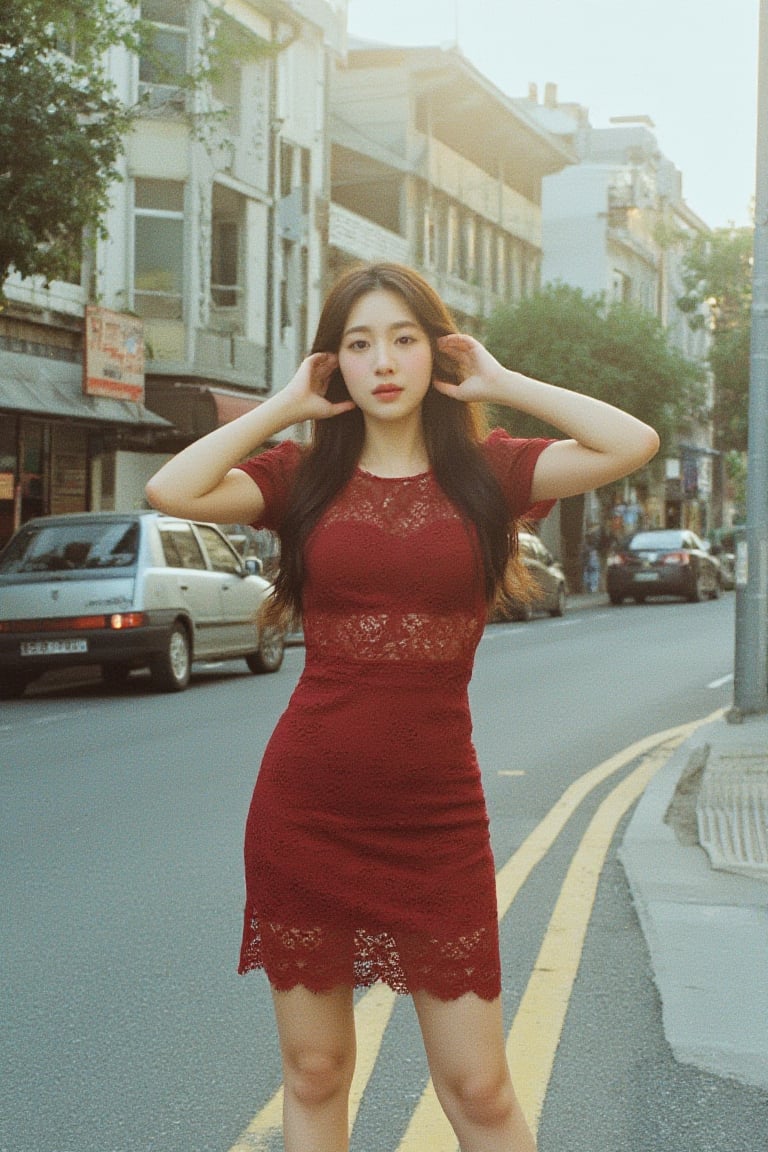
(202, 482)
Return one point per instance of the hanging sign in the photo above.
(114, 355)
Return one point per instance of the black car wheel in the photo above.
(269, 655)
(615, 598)
(716, 589)
(697, 593)
(170, 669)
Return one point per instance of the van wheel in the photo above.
(269, 655)
(170, 669)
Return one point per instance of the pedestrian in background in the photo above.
(590, 557)
(367, 849)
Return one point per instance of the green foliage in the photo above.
(718, 292)
(614, 352)
(61, 127)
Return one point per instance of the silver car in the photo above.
(124, 591)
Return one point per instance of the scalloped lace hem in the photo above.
(321, 959)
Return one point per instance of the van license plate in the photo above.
(53, 647)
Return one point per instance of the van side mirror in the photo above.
(254, 566)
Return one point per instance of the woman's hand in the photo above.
(603, 442)
(306, 392)
(479, 372)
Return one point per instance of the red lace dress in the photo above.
(367, 850)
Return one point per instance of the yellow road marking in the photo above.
(429, 1131)
(538, 1024)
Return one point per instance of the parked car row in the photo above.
(143, 590)
(127, 591)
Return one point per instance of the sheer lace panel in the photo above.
(399, 505)
(388, 636)
(321, 959)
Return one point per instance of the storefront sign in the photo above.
(114, 355)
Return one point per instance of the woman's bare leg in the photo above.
(317, 1044)
(464, 1041)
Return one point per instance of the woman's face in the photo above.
(385, 357)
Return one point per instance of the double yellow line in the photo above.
(535, 1034)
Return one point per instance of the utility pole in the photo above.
(751, 657)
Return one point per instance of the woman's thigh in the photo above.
(315, 1024)
(462, 1037)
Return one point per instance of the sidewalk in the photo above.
(696, 857)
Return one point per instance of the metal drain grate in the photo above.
(732, 812)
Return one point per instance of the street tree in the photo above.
(718, 294)
(615, 352)
(61, 128)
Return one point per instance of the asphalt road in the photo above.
(125, 1026)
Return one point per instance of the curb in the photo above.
(706, 932)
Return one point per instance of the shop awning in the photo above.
(195, 409)
(54, 388)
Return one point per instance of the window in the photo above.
(180, 547)
(165, 61)
(621, 287)
(221, 556)
(159, 248)
(228, 214)
(468, 249)
(225, 247)
(454, 247)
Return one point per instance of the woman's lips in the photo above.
(387, 392)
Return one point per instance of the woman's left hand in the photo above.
(479, 372)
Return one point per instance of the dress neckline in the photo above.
(374, 476)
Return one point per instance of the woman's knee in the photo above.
(484, 1096)
(315, 1075)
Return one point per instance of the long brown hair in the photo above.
(452, 431)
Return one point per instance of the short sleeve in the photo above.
(274, 471)
(512, 462)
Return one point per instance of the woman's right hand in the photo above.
(306, 392)
(203, 481)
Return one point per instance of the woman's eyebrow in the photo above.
(392, 327)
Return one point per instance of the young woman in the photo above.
(367, 848)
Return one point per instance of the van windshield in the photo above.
(71, 547)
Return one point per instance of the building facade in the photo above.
(434, 166)
(615, 224)
(215, 239)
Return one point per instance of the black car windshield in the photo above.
(71, 547)
(656, 541)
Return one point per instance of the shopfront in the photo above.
(57, 445)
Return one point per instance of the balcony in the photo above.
(364, 240)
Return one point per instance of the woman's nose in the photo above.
(382, 357)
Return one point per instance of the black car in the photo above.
(663, 562)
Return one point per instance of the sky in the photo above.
(690, 65)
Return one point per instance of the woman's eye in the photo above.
(358, 345)
(405, 339)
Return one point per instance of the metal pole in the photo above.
(751, 657)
